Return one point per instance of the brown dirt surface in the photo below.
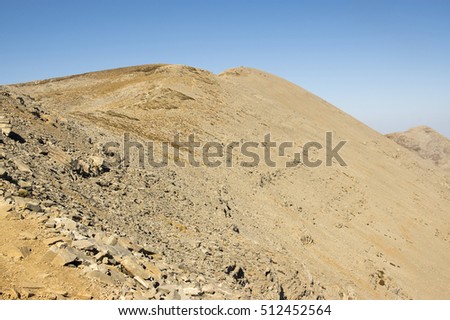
(377, 228)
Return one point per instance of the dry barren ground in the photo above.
(377, 228)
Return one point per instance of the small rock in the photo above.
(86, 244)
(44, 151)
(209, 288)
(66, 223)
(5, 126)
(26, 251)
(110, 241)
(154, 270)
(50, 223)
(59, 256)
(149, 294)
(23, 193)
(26, 185)
(53, 240)
(116, 275)
(21, 166)
(142, 282)
(97, 161)
(193, 291)
(146, 250)
(47, 203)
(167, 289)
(33, 206)
(130, 245)
(133, 267)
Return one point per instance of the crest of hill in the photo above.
(362, 231)
(427, 143)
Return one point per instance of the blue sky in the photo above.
(387, 63)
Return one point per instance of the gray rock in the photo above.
(47, 203)
(53, 240)
(60, 256)
(50, 223)
(26, 185)
(142, 282)
(121, 251)
(209, 288)
(116, 275)
(130, 245)
(111, 240)
(33, 206)
(5, 126)
(86, 244)
(66, 223)
(21, 166)
(193, 291)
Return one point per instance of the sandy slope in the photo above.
(377, 228)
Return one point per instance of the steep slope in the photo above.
(427, 143)
(376, 228)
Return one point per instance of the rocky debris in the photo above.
(54, 240)
(21, 166)
(209, 288)
(93, 166)
(193, 291)
(132, 266)
(25, 185)
(85, 244)
(5, 126)
(27, 203)
(60, 256)
(138, 233)
(142, 282)
(33, 206)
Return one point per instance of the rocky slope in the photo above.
(377, 228)
(427, 143)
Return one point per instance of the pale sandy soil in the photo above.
(378, 228)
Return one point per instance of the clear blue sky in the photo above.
(387, 63)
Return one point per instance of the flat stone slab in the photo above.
(132, 266)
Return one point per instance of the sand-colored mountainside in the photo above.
(427, 143)
(377, 228)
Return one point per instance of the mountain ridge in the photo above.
(336, 232)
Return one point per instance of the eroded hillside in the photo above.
(376, 228)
